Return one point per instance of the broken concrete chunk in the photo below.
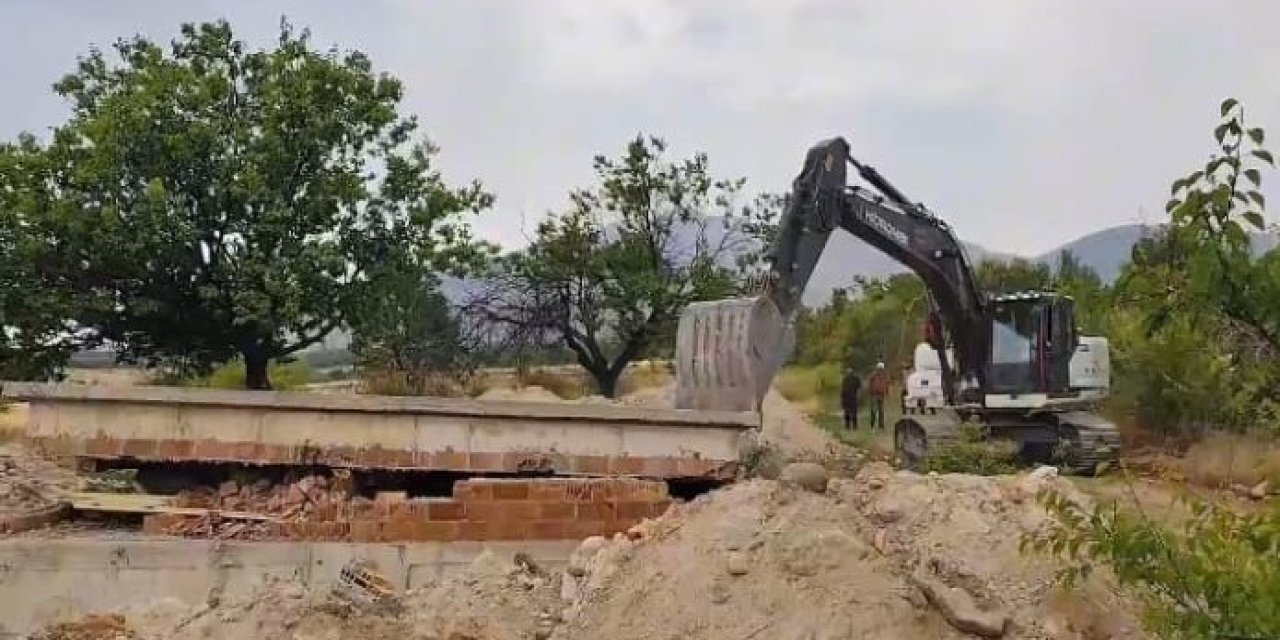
(958, 607)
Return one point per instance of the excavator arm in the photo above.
(728, 351)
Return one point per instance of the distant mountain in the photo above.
(1104, 251)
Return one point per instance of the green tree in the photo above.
(37, 303)
(1194, 326)
(409, 328)
(882, 321)
(609, 277)
(227, 202)
(1010, 276)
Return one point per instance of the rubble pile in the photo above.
(311, 498)
(109, 626)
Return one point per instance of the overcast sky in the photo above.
(1024, 123)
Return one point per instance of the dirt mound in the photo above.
(882, 555)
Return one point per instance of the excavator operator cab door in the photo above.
(1032, 341)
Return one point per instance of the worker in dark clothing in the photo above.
(849, 388)
(878, 385)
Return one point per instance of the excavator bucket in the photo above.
(727, 353)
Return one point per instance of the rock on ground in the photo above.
(806, 475)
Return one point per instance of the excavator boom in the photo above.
(728, 351)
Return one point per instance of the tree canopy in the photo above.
(609, 276)
(206, 200)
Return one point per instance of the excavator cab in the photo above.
(1033, 337)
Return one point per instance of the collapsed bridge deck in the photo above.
(166, 424)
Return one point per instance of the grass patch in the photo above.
(1223, 459)
(230, 375)
(814, 389)
(422, 383)
(877, 443)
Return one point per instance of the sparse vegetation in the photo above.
(1215, 576)
(973, 454)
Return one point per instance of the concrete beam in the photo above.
(361, 431)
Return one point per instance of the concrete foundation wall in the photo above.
(45, 580)
(163, 423)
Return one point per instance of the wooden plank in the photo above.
(146, 503)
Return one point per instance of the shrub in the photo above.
(1216, 577)
(429, 383)
(283, 375)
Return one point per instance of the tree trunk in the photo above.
(607, 382)
(256, 362)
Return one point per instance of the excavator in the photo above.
(1012, 365)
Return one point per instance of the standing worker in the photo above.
(849, 388)
(878, 384)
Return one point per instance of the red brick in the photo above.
(400, 459)
(511, 490)
(246, 451)
(438, 531)
(175, 449)
(213, 450)
(632, 510)
(398, 530)
(596, 511)
(593, 465)
(660, 467)
(473, 491)
(508, 530)
(448, 460)
(103, 446)
(558, 510)
(547, 490)
(584, 491)
(139, 448)
(485, 461)
(480, 511)
(626, 465)
(276, 454)
(658, 508)
(693, 467)
(445, 510)
(548, 529)
(515, 509)
(366, 531)
(585, 528)
(468, 530)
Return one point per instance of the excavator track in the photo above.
(1091, 441)
(917, 436)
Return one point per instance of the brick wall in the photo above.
(480, 509)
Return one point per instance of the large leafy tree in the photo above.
(37, 301)
(609, 277)
(410, 328)
(223, 201)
